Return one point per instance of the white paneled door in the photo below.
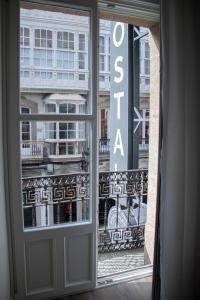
(52, 189)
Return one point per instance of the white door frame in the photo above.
(52, 238)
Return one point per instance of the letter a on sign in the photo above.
(118, 143)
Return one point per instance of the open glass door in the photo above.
(53, 184)
(128, 111)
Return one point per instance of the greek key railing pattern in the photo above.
(122, 210)
(118, 239)
(55, 199)
(61, 199)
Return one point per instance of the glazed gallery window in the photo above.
(24, 36)
(24, 74)
(81, 52)
(81, 42)
(50, 130)
(43, 75)
(66, 149)
(25, 56)
(25, 126)
(65, 40)
(65, 57)
(65, 76)
(64, 130)
(102, 55)
(43, 42)
(24, 46)
(50, 108)
(43, 58)
(62, 108)
(43, 38)
(67, 130)
(67, 108)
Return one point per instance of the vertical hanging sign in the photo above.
(119, 97)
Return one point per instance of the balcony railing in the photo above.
(39, 149)
(32, 149)
(104, 146)
(144, 145)
(61, 199)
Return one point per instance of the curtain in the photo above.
(180, 154)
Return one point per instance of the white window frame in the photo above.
(24, 47)
(46, 39)
(30, 129)
(22, 36)
(67, 105)
(40, 73)
(65, 51)
(81, 52)
(48, 51)
(64, 75)
(102, 54)
(68, 41)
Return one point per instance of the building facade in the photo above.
(54, 78)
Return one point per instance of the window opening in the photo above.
(124, 116)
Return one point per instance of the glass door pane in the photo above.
(54, 82)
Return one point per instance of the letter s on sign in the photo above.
(119, 69)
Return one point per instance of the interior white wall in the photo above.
(4, 258)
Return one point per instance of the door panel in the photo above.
(52, 214)
(74, 260)
(40, 261)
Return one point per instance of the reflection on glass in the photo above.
(54, 55)
(55, 178)
(54, 74)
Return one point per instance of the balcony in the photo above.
(53, 200)
(32, 150)
(41, 150)
(122, 211)
(144, 145)
(52, 82)
(104, 146)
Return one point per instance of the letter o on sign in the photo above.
(119, 42)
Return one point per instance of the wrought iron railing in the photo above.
(122, 210)
(61, 199)
(55, 199)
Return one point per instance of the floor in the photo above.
(122, 261)
(133, 290)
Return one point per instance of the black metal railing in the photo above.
(104, 146)
(61, 199)
(122, 210)
(55, 199)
